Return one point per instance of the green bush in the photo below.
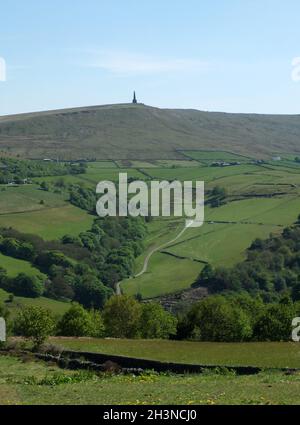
(155, 322)
(79, 322)
(121, 317)
(35, 323)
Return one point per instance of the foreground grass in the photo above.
(261, 354)
(36, 383)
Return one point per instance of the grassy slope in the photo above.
(58, 308)
(268, 354)
(21, 209)
(14, 266)
(27, 198)
(17, 387)
(142, 132)
(252, 217)
(50, 223)
(166, 274)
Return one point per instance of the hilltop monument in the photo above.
(134, 98)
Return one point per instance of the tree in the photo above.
(155, 322)
(121, 317)
(3, 276)
(206, 275)
(216, 319)
(90, 292)
(274, 324)
(218, 196)
(59, 288)
(35, 323)
(79, 322)
(98, 324)
(45, 186)
(26, 286)
(252, 306)
(4, 312)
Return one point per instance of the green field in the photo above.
(207, 174)
(14, 266)
(50, 224)
(215, 156)
(58, 308)
(27, 198)
(262, 199)
(44, 384)
(265, 355)
(166, 272)
(94, 175)
(99, 165)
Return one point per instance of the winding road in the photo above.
(152, 252)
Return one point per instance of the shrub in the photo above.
(35, 323)
(216, 319)
(155, 322)
(121, 317)
(25, 286)
(79, 322)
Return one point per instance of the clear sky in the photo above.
(224, 55)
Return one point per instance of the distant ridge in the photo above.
(137, 131)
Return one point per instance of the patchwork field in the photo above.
(94, 175)
(262, 198)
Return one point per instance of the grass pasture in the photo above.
(58, 308)
(44, 384)
(215, 156)
(173, 163)
(14, 266)
(166, 274)
(207, 174)
(262, 200)
(50, 224)
(27, 198)
(94, 175)
(211, 244)
(259, 354)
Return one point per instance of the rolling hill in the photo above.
(127, 131)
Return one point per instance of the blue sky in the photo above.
(217, 55)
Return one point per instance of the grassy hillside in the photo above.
(261, 200)
(14, 266)
(128, 131)
(58, 308)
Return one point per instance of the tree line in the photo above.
(219, 318)
(121, 317)
(271, 268)
(16, 170)
(238, 318)
(83, 268)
